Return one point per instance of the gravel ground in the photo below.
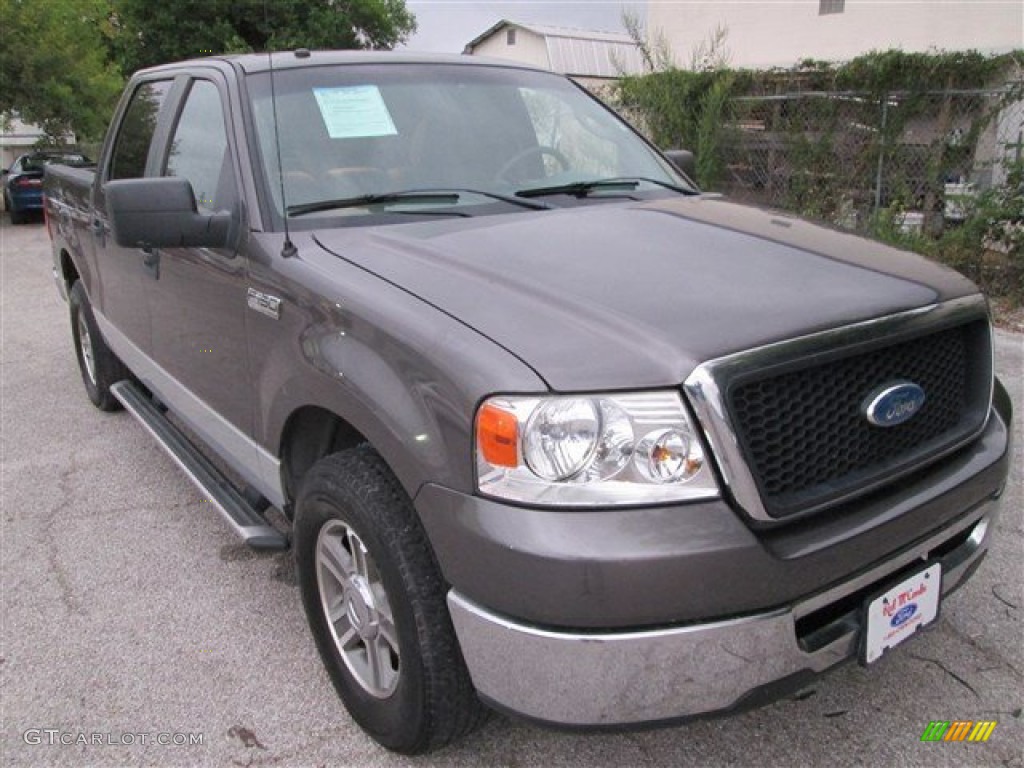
(128, 608)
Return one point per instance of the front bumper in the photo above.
(626, 570)
(622, 678)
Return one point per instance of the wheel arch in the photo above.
(68, 270)
(310, 433)
(420, 423)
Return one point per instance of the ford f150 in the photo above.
(554, 431)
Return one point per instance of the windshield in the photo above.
(351, 132)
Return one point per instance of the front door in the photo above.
(198, 296)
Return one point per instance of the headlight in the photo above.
(591, 450)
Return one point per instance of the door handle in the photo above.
(99, 231)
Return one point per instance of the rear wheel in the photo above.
(375, 601)
(99, 366)
(17, 217)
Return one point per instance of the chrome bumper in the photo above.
(576, 679)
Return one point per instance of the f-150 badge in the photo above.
(264, 303)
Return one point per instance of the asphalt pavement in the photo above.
(131, 615)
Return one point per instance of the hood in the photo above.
(626, 296)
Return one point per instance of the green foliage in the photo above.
(881, 72)
(154, 33)
(684, 110)
(814, 186)
(988, 246)
(711, 112)
(54, 65)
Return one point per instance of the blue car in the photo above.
(23, 181)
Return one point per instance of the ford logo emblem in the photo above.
(903, 615)
(893, 404)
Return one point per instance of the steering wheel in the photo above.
(539, 151)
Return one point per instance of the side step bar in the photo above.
(246, 521)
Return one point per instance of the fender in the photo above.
(381, 359)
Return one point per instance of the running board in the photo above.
(246, 521)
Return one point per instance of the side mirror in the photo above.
(162, 213)
(684, 160)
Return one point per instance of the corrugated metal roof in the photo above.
(584, 34)
(580, 52)
(593, 58)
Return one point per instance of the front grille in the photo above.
(807, 441)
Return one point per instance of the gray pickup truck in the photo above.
(552, 431)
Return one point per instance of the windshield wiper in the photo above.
(535, 206)
(427, 196)
(584, 188)
(412, 196)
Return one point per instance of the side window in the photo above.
(199, 149)
(136, 132)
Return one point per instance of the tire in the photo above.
(361, 550)
(100, 368)
(17, 217)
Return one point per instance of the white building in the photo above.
(16, 138)
(780, 33)
(589, 57)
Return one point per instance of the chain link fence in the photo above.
(849, 157)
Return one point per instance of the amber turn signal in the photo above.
(497, 436)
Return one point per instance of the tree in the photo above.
(55, 69)
(63, 62)
(153, 33)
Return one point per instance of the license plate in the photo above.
(900, 611)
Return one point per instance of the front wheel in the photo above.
(99, 366)
(375, 601)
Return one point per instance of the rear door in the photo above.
(121, 297)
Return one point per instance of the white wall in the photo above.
(16, 138)
(529, 48)
(779, 33)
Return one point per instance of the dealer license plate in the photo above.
(900, 611)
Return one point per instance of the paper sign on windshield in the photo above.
(354, 112)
